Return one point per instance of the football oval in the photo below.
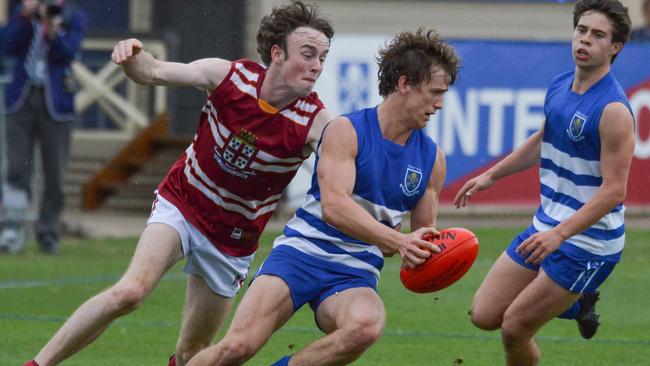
(459, 251)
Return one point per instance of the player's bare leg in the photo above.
(265, 307)
(503, 283)
(354, 320)
(158, 249)
(538, 303)
(204, 313)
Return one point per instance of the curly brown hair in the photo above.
(283, 20)
(616, 12)
(412, 55)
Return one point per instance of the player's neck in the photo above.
(276, 93)
(392, 128)
(585, 78)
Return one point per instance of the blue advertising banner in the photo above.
(498, 100)
(496, 103)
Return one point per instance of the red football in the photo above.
(459, 250)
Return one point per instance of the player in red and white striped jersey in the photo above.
(257, 126)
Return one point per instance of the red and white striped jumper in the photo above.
(229, 180)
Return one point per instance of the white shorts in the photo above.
(223, 273)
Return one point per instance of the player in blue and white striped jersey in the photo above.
(584, 149)
(373, 167)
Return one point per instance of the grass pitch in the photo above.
(37, 293)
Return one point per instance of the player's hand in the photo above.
(539, 245)
(414, 250)
(125, 50)
(483, 181)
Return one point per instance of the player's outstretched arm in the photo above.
(522, 158)
(616, 151)
(336, 177)
(141, 67)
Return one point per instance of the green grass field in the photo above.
(38, 292)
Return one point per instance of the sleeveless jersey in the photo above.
(229, 180)
(570, 163)
(390, 179)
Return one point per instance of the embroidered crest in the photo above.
(576, 127)
(240, 149)
(412, 180)
(238, 153)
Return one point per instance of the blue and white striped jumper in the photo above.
(390, 179)
(570, 165)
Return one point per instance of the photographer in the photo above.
(43, 38)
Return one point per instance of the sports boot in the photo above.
(588, 319)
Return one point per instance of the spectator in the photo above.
(642, 34)
(43, 37)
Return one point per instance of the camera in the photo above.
(52, 7)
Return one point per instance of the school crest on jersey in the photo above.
(412, 180)
(577, 126)
(238, 153)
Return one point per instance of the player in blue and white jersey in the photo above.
(373, 167)
(584, 149)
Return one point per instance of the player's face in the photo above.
(592, 45)
(425, 100)
(307, 49)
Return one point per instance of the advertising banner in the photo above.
(494, 106)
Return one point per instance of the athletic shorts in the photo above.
(310, 279)
(223, 273)
(574, 269)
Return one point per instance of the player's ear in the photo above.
(277, 54)
(403, 85)
(616, 48)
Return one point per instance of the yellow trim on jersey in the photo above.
(266, 107)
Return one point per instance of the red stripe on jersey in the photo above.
(226, 199)
(235, 228)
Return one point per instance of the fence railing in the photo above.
(103, 85)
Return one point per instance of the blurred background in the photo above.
(127, 136)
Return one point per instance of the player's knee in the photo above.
(513, 329)
(484, 321)
(235, 350)
(127, 297)
(363, 334)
